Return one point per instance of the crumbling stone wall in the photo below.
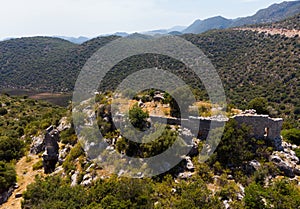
(50, 156)
(200, 124)
(263, 127)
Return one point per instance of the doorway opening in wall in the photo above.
(266, 132)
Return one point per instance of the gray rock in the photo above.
(230, 177)
(93, 165)
(63, 124)
(87, 182)
(255, 164)
(275, 159)
(16, 186)
(297, 171)
(5, 195)
(87, 179)
(58, 170)
(189, 164)
(64, 152)
(74, 179)
(185, 175)
(226, 204)
(287, 170)
(37, 145)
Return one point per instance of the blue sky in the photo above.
(94, 17)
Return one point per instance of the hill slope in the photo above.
(275, 12)
(250, 65)
(200, 26)
(44, 63)
(254, 65)
(292, 23)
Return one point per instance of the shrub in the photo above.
(3, 111)
(138, 117)
(259, 104)
(38, 165)
(10, 148)
(292, 135)
(7, 176)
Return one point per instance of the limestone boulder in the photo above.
(64, 124)
(37, 145)
(74, 178)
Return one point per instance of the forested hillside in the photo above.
(44, 63)
(250, 65)
(292, 23)
(255, 65)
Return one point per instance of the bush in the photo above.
(7, 176)
(3, 111)
(280, 194)
(10, 148)
(292, 135)
(236, 145)
(297, 151)
(259, 104)
(76, 152)
(38, 165)
(138, 117)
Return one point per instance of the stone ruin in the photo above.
(263, 126)
(50, 155)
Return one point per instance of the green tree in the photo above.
(235, 146)
(195, 194)
(138, 117)
(259, 104)
(292, 135)
(7, 176)
(10, 148)
(180, 102)
(280, 194)
(3, 111)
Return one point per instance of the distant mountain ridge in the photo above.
(79, 40)
(172, 30)
(275, 12)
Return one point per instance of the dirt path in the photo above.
(273, 31)
(25, 176)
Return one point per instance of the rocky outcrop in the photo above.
(74, 178)
(63, 153)
(50, 156)
(37, 145)
(64, 124)
(286, 160)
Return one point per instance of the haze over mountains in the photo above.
(275, 12)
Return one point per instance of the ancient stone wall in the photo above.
(262, 126)
(200, 124)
